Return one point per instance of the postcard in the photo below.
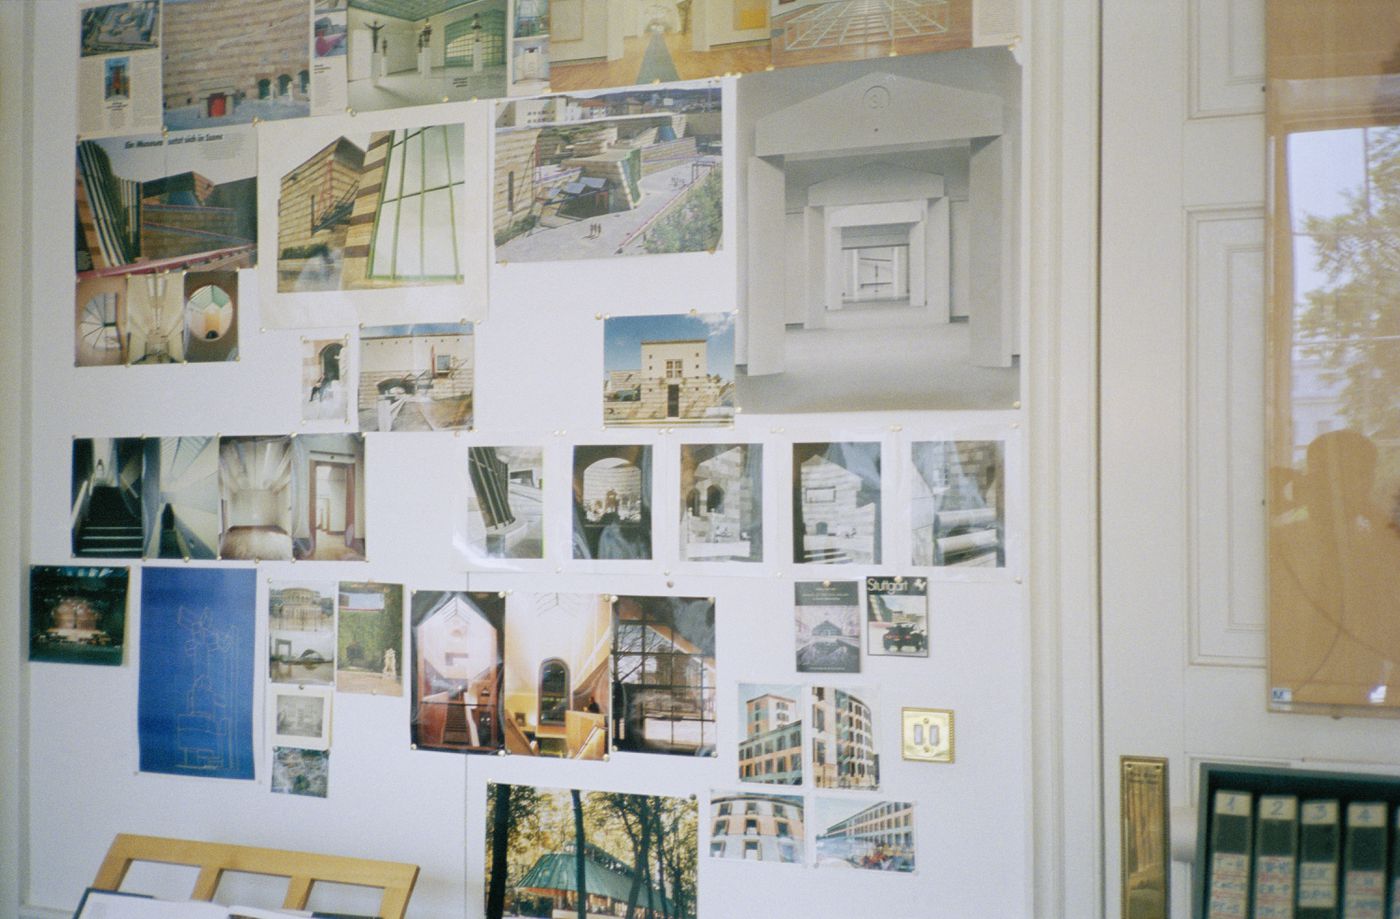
(668, 370)
(770, 744)
(897, 616)
(722, 502)
(612, 501)
(757, 827)
(957, 503)
(77, 615)
(417, 377)
(369, 638)
(301, 631)
(299, 716)
(459, 646)
(828, 626)
(108, 486)
(836, 503)
(297, 771)
(854, 833)
(843, 738)
(505, 506)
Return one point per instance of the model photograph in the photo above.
(505, 507)
(827, 614)
(612, 502)
(664, 676)
(957, 503)
(671, 369)
(606, 174)
(887, 238)
(369, 638)
(558, 675)
(770, 743)
(458, 650)
(722, 502)
(566, 852)
(836, 503)
(77, 615)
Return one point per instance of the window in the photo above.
(554, 691)
(717, 848)
(720, 828)
(725, 808)
(442, 364)
(819, 495)
(750, 826)
(483, 32)
(752, 851)
(415, 225)
(783, 829)
(674, 369)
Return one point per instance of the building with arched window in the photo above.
(757, 827)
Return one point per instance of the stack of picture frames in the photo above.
(709, 400)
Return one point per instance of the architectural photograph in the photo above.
(77, 615)
(843, 739)
(120, 27)
(211, 316)
(721, 502)
(99, 334)
(255, 489)
(299, 716)
(567, 852)
(827, 615)
(664, 678)
(152, 204)
(896, 616)
(604, 174)
(670, 369)
(505, 507)
(374, 210)
(450, 51)
(856, 834)
(301, 632)
(757, 827)
(827, 31)
(836, 503)
(263, 74)
(108, 476)
(558, 674)
(770, 742)
(369, 638)
(416, 377)
(325, 380)
(155, 318)
(660, 41)
(887, 239)
(328, 497)
(458, 650)
(181, 507)
(958, 503)
(612, 501)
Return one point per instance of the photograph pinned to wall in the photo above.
(668, 370)
(827, 615)
(77, 615)
(299, 716)
(597, 175)
(329, 56)
(459, 646)
(958, 503)
(119, 68)
(369, 638)
(210, 316)
(504, 505)
(255, 488)
(417, 377)
(721, 502)
(635, 848)
(896, 616)
(770, 744)
(156, 203)
(843, 738)
(887, 239)
(195, 706)
(328, 497)
(529, 65)
(612, 501)
(836, 503)
(264, 75)
(853, 833)
(828, 31)
(181, 497)
(757, 827)
(301, 632)
(108, 486)
(666, 42)
(558, 675)
(297, 771)
(448, 51)
(155, 318)
(99, 333)
(663, 660)
(325, 380)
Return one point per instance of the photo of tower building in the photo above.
(843, 740)
(771, 748)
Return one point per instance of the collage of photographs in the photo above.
(414, 205)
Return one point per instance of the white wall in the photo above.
(66, 803)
